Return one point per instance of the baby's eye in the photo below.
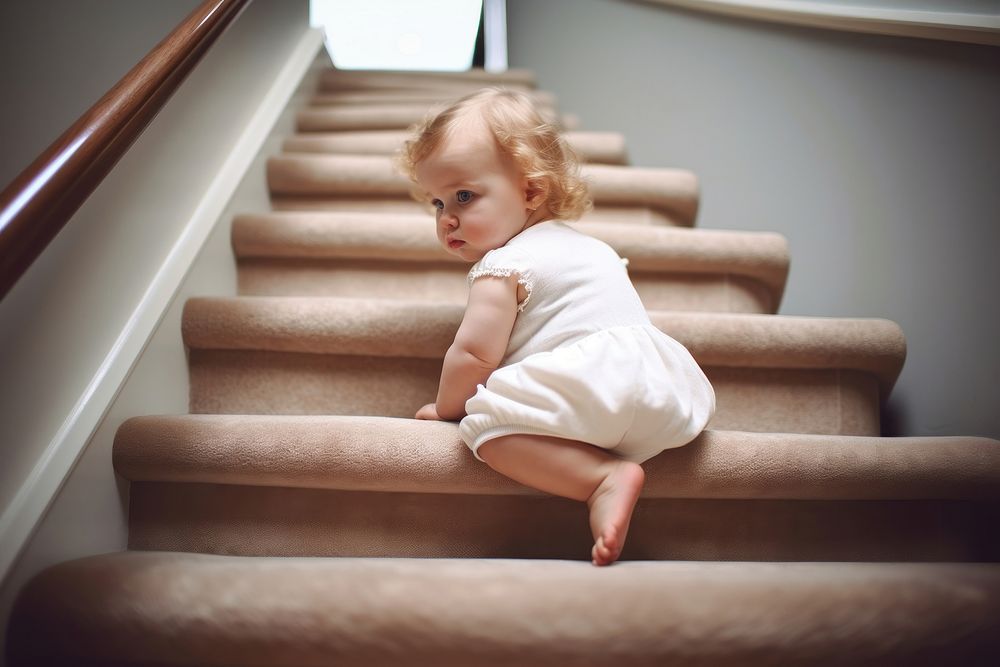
(464, 196)
(437, 203)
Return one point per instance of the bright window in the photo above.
(399, 34)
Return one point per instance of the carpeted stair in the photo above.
(371, 182)
(596, 147)
(398, 256)
(423, 95)
(377, 486)
(328, 355)
(789, 533)
(190, 609)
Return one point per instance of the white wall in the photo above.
(71, 330)
(877, 157)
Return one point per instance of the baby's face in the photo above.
(479, 195)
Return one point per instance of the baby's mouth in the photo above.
(454, 244)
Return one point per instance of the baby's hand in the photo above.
(429, 411)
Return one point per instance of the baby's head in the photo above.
(492, 167)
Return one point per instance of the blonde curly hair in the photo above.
(523, 133)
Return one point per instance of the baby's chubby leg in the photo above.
(609, 486)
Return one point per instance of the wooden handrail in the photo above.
(41, 200)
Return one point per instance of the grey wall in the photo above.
(877, 157)
(58, 57)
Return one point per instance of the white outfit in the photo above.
(584, 362)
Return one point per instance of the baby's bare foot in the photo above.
(611, 508)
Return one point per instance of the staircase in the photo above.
(299, 516)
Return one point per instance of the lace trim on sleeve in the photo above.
(505, 273)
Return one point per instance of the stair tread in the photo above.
(424, 330)
(597, 147)
(407, 455)
(396, 116)
(341, 80)
(674, 192)
(393, 96)
(209, 609)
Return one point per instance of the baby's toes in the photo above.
(609, 540)
(600, 553)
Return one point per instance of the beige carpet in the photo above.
(596, 147)
(299, 516)
(386, 255)
(188, 609)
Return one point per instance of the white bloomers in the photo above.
(631, 390)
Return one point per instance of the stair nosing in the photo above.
(385, 454)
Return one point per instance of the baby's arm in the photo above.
(480, 343)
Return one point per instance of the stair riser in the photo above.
(447, 283)
(275, 521)
(824, 401)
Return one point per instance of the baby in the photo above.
(556, 373)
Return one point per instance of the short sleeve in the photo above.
(503, 263)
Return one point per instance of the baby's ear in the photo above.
(536, 192)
